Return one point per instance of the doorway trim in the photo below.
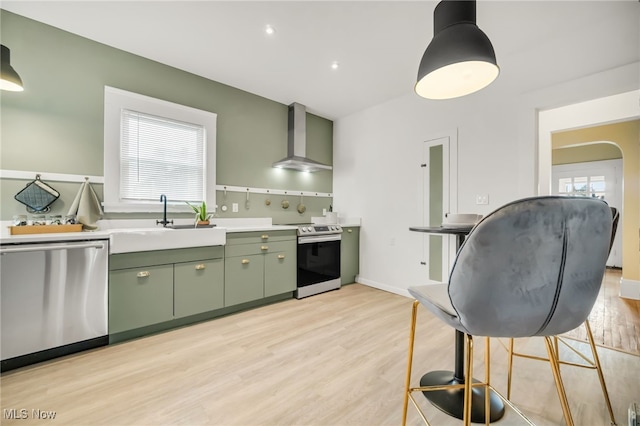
(606, 110)
(449, 142)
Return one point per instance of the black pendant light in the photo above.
(9, 78)
(460, 59)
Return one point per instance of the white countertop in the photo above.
(108, 227)
(6, 238)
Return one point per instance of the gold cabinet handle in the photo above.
(264, 248)
(264, 236)
(245, 261)
(200, 266)
(143, 274)
(349, 230)
(281, 256)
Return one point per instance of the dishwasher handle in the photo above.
(50, 247)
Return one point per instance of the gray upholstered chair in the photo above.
(592, 362)
(531, 268)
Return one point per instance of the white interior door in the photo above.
(601, 179)
(438, 193)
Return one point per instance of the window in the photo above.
(154, 147)
(586, 186)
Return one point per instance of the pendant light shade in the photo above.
(460, 59)
(9, 78)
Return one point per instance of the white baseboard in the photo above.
(391, 289)
(630, 289)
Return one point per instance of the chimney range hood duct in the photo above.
(297, 143)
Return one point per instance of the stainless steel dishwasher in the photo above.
(54, 299)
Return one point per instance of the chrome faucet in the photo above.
(164, 221)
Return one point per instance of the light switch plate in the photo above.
(482, 199)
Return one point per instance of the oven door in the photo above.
(318, 259)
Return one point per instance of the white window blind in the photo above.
(161, 156)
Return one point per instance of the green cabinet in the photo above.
(350, 254)
(151, 287)
(243, 279)
(140, 296)
(198, 287)
(280, 270)
(258, 265)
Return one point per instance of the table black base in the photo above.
(451, 401)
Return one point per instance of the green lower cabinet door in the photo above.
(280, 272)
(350, 255)
(198, 287)
(243, 279)
(139, 297)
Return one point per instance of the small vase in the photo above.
(202, 223)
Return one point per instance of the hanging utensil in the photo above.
(246, 203)
(224, 200)
(285, 203)
(301, 207)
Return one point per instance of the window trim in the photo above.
(114, 101)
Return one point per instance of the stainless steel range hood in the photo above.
(297, 143)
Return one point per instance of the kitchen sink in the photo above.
(127, 240)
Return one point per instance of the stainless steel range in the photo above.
(318, 259)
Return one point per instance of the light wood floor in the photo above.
(615, 321)
(338, 358)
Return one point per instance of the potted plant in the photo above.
(202, 216)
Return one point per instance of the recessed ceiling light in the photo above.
(270, 30)
(335, 65)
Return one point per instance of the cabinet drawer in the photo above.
(198, 287)
(139, 297)
(163, 257)
(259, 237)
(261, 248)
(243, 279)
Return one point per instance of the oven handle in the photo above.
(319, 238)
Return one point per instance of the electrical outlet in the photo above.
(482, 199)
(234, 207)
(324, 212)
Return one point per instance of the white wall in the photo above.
(377, 152)
(377, 175)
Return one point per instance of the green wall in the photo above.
(56, 124)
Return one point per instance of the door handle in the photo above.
(264, 236)
(349, 230)
(143, 274)
(200, 266)
(281, 256)
(264, 248)
(245, 261)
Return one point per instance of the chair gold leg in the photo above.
(487, 379)
(553, 361)
(596, 361)
(466, 416)
(412, 334)
(510, 368)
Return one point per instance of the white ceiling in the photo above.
(378, 44)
